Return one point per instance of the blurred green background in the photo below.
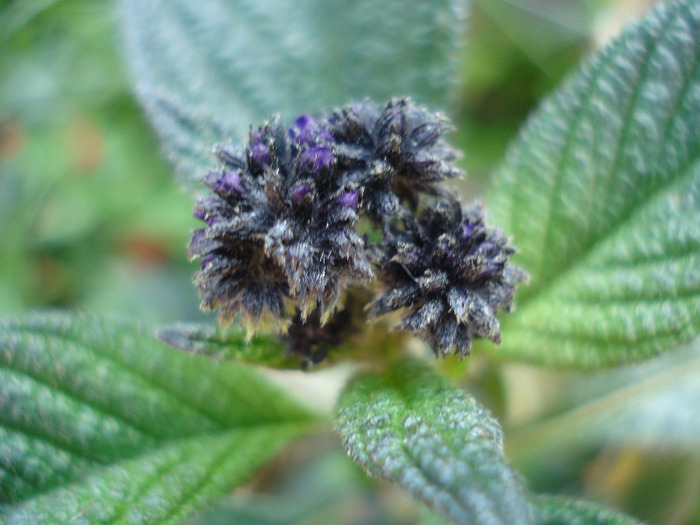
(89, 214)
(91, 218)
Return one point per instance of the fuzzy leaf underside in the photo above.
(206, 71)
(602, 195)
(413, 429)
(101, 422)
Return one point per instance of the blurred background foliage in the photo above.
(91, 218)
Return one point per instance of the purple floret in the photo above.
(259, 152)
(300, 192)
(348, 199)
(307, 132)
(467, 230)
(230, 182)
(317, 158)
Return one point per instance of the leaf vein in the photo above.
(98, 350)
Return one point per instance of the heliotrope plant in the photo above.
(312, 228)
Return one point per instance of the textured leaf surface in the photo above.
(100, 421)
(228, 344)
(602, 195)
(415, 430)
(206, 71)
(554, 510)
(163, 486)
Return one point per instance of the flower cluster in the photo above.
(451, 272)
(280, 242)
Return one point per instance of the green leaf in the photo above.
(228, 344)
(412, 428)
(601, 192)
(164, 485)
(206, 71)
(556, 510)
(101, 421)
(325, 489)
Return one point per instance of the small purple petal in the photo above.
(212, 179)
(259, 152)
(422, 165)
(300, 192)
(208, 260)
(487, 248)
(304, 121)
(348, 199)
(467, 230)
(413, 255)
(489, 269)
(197, 237)
(307, 132)
(231, 183)
(302, 132)
(317, 158)
(446, 248)
(324, 135)
(199, 214)
(213, 219)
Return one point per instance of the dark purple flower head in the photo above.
(275, 233)
(452, 284)
(400, 153)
